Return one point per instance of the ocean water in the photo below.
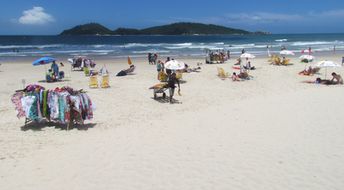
(139, 46)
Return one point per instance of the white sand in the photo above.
(272, 132)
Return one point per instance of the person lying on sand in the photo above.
(126, 71)
(195, 69)
(322, 81)
(235, 77)
(309, 71)
(337, 79)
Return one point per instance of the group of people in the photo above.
(152, 58)
(217, 56)
(336, 79)
(168, 76)
(54, 74)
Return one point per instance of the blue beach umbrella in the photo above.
(43, 61)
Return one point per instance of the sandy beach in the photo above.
(271, 132)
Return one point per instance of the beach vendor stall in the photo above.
(62, 105)
(216, 56)
(80, 63)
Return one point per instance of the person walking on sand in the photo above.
(171, 84)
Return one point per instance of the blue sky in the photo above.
(277, 16)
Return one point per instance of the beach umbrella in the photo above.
(174, 65)
(326, 64)
(247, 55)
(43, 61)
(307, 57)
(287, 52)
(129, 61)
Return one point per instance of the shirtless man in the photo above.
(337, 79)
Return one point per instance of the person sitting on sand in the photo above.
(243, 75)
(171, 84)
(50, 77)
(337, 79)
(249, 67)
(235, 77)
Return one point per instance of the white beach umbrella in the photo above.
(326, 64)
(247, 55)
(307, 57)
(287, 52)
(174, 65)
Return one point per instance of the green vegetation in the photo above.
(182, 28)
(88, 29)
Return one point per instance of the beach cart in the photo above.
(159, 89)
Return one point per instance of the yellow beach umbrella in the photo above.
(129, 61)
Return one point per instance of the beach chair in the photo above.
(285, 62)
(221, 73)
(179, 75)
(131, 69)
(93, 83)
(105, 81)
(162, 76)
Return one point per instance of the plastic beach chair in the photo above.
(179, 75)
(93, 82)
(105, 81)
(221, 73)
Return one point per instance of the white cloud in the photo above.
(35, 16)
(270, 17)
(262, 17)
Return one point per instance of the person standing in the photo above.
(149, 58)
(171, 84)
(160, 68)
(55, 69)
(228, 54)
(155, 59)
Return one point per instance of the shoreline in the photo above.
(274, 130)
(22, 59)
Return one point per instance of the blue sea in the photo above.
(139, 46)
